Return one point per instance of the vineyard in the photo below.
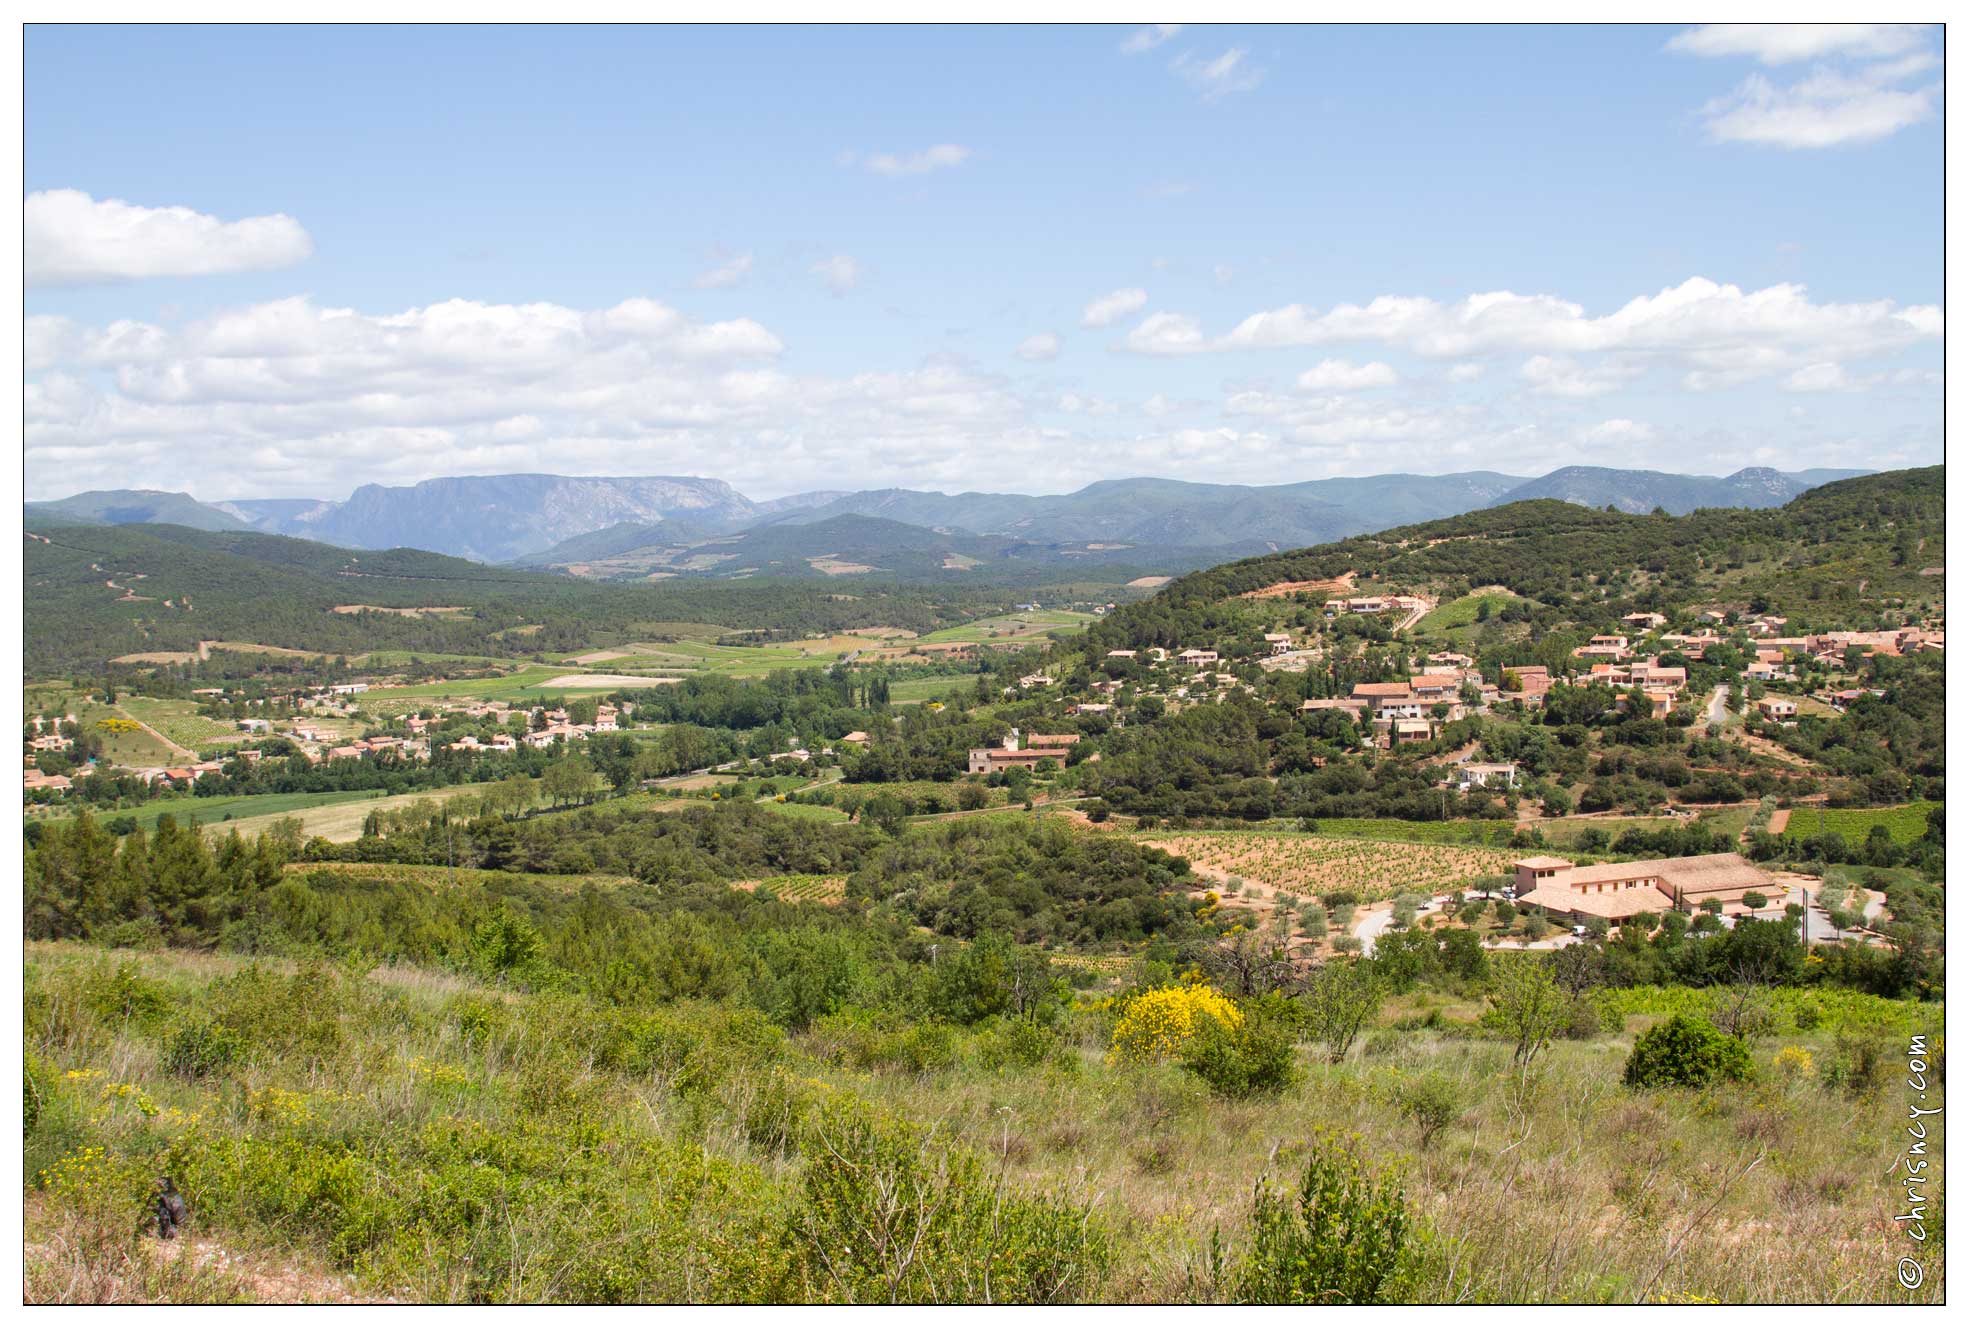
(804, 889)
(1310, 865)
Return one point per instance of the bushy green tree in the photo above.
(1688, 1053)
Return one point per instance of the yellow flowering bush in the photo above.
(1792, 1063)
(1156, 1024)
(280, 1107)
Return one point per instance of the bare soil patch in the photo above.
(605, 681)
(1280, 589)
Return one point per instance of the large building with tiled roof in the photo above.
(1614, 891)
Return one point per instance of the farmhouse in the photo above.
(1196, 657)
(1280, 642)
(1644, 621)
(989, 761)
(36, 780)
(1615, 891)
(1487, 775)
(1778, 708)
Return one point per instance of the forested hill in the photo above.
(96, 592)
(1832, 551)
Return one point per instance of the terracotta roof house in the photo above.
(1615, 891)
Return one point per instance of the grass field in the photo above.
(1460, 613)
(1009, 627)
(135, 749)
(246, 813)
(907, 691)
(341, 822)
(371, 1116)
(179, 720)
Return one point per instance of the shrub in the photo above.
(892, 1214)
(1688, 1053)
(1432, 1101)
(1343, 1238)
(201, 1049)
(1249, 1059)
(1015, 1044)
(1156, 1025)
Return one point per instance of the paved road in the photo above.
(1818, 927)
(1717, 713)
(1377, 921)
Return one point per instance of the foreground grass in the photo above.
(419, 1135)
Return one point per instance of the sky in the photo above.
(284, 262)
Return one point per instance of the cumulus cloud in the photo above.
(839, 273)
(1340, 376)
(299, 398)
(1039, 346)
(1467, 372)
(71, 239)
(1826, 110)
(1557, 376)
(1150, 37)
(1104, 310)
(1784, 43)
(1221, 77)
(937, 158)
(1718, 332)
(1857, 93)
(1166, 334)
(723, 275)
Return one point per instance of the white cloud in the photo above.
(1166, 334)
(1150, 37)
(1104, 310)
(1221, 77)
(1823, 111)
(1467, 372)
(1340, 376)
(1855, 94)
(724, 275)
(1557, 376)
(1223, 274)
(293, 397)
(941, 157)
(71, 239)
(1039, 346)
(1784, 43)
(840, 273)
(1618, 432)
(1720, 331)
(1826, 376)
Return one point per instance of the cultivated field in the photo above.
(807, 889)
(1310, 864)
(342, 821)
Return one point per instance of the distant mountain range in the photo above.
(686, 524)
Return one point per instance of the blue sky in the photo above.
(994, 258)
